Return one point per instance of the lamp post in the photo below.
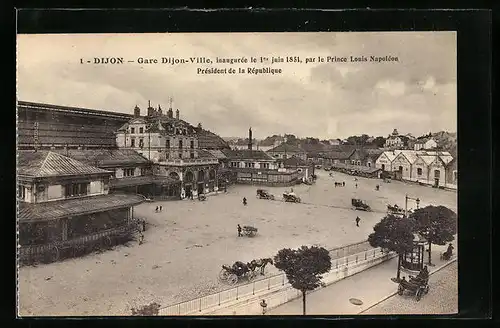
(417, 200)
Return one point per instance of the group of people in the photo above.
(159, 208)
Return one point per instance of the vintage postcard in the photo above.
(178, 174)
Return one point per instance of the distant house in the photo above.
(394, 140)
(364, 157)
(424, 144)
(452, 172)
(335, 142)
(340, 155)
(284, 151)
(305, 169)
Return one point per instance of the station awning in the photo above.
(73, 207)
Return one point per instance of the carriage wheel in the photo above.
(232, 279)
(401, 289)
(419, 294)
(223, 274)
(108, 243)
(426, 289)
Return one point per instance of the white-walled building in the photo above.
(425, 144)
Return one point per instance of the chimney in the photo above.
(177, 113)
(150, 109)
(250, 139)
(137, 111)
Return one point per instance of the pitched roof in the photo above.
(339, 154)
(217, 153)
(391, 155)
(50, 164)
(286, 148)
(209, 140)
(411, 155)
(246, 154)
(295, 161)
(29, 212)
(427, 159)
(105, 157)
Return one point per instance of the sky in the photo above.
(416, 94)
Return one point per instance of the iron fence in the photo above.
(347, 259)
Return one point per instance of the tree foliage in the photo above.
(437, 224)
(303, 267)
(147, 310)
(393, 233)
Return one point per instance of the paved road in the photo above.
(441, 299)
(186, 245)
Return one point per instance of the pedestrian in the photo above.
(244, 201)
(156, 210)
(263, 304)
(356, 186)
(239, 231)
(343, 183)
(357, 221)
(143, 225)
(161, 208)
(141, 239)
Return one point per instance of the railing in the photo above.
(198, 305)
(30, 250)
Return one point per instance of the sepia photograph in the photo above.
(229, 174)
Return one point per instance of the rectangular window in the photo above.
(76, 189)
(132, 142)
(192, 144)
(167, 143)
(437, 174)
(180, 154)
(191, 155)
(143, 171)
(129, 172)
(252, 165)
(132, 130)
(141, 142)
(419, 171)
(455, 175)
(180, 144)
(141, 130)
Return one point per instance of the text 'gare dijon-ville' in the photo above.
(264, 60)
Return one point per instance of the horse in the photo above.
(261, 263)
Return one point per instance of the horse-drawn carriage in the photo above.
(291, 197)
(264, 194)
(236, 272)
(358, 204)
(249, 231)
(395, 209)
(418, 285)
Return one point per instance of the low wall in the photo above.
(280, 295)
(447, 186)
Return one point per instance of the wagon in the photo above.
(249, 231)
(264, 194)
(416, 286)
(238, 271)
(358, 204)
(291, 197)
(395, 209)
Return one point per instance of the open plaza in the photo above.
(186, 244)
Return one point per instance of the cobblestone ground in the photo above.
(187, 243)
(441, 299)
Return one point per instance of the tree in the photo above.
(303, 267)
(394, 234)
(379, 142)
(437, 224)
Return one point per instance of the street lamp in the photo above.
(417, 200)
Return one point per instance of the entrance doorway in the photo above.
(436, 183)
(200, 188)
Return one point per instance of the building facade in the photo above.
(172, 144)
(284, 151)
(65, 207)
(425, 144)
